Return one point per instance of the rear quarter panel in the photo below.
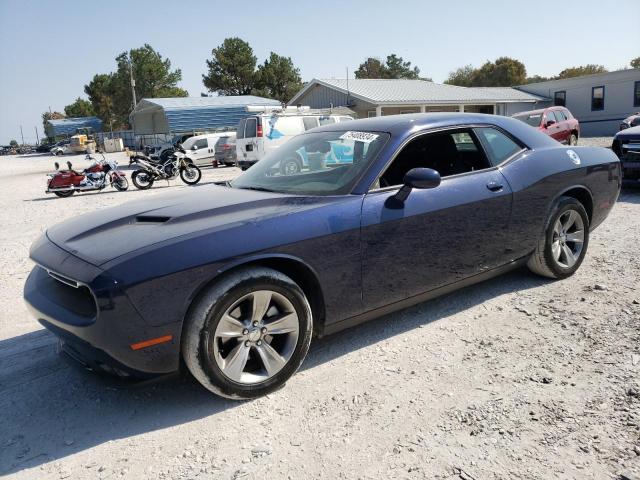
(540, 177)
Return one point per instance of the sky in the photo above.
(50, 49)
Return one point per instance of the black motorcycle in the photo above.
(151, 170)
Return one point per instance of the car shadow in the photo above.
(52, 408)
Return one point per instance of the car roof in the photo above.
(539, 111)
(407, 124)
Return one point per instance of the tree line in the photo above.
(233, 69)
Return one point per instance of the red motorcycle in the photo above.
(65, 183)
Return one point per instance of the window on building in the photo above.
(636, 94)
(560, 99)
(597, 98)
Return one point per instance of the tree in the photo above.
(580, 71)
(13, 143)
(635, 63)
(231, 71)
(278, 78)
(537, 78)
(101, 93)
(50, 116)
(393, 67)
(461, 77)
(79, 108)
(504, 72)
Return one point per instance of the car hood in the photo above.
(106, 234)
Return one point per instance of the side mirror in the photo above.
(419, 178)
(194, 148)
(549, 123)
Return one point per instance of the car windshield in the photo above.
(532, 119)
(322, 163)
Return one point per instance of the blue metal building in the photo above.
(69, 126)
(190, 114)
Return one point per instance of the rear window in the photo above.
(532, 119)
(310, 122)
(240, 130)
(327, 120)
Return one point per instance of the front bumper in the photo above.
(245, 163)
(93, 318)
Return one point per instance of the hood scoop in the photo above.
(146, 219)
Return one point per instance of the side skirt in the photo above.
(423, 297)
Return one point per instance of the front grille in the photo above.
(68, 294)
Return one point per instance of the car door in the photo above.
(438, 236)
(552, 126)
(199, 154)
(564, 129)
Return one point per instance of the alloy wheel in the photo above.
(568, 238)
(256, 337)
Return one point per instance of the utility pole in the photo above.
(133, 82)
(37, 137)
(21, 135)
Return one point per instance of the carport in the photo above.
(191, 114)
(69, 126)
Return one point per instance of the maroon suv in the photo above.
(557, 122)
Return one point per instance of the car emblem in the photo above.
(573, 156)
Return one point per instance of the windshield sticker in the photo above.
(365, 137)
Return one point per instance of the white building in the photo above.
(599, 102)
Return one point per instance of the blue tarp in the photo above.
(69, 126)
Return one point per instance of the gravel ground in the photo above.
(518, 377)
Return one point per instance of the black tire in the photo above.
(573, 140)
(120, 183)
(290, 166)
(543, 261)
(190, 180)
(64, 193)
(205, 314)
(142, 179)
(59, 154)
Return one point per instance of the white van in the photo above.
(261, 133)
(201, 149)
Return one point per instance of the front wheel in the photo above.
(142, 179)
(120, 183)
(562, 247)
(190, 174)
(247, 334)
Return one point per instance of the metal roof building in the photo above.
(69, 126)
(189, 114)
(375, 97)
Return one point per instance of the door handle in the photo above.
(494, 186)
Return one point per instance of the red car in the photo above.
(557, 122)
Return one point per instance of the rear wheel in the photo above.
(190, 174)
(142, 179)
(562, 247)
(65, 193)
(248, 333)
(573, 139)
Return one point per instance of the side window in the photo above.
(560, 99)
(250, 129)
(450, 153)
(499, 146)
(560, 115)
(309, 122)
(597, 98)
(202, 143)
(240, 130)
(550, 117)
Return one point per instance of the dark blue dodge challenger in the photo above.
(236, 279)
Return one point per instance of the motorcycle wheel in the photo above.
(141, 179)
(64, 193)
(121, 184)
(190, 174)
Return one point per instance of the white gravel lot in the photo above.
(519, 377)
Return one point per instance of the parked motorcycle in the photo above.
(151, 170)
(65, 183)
